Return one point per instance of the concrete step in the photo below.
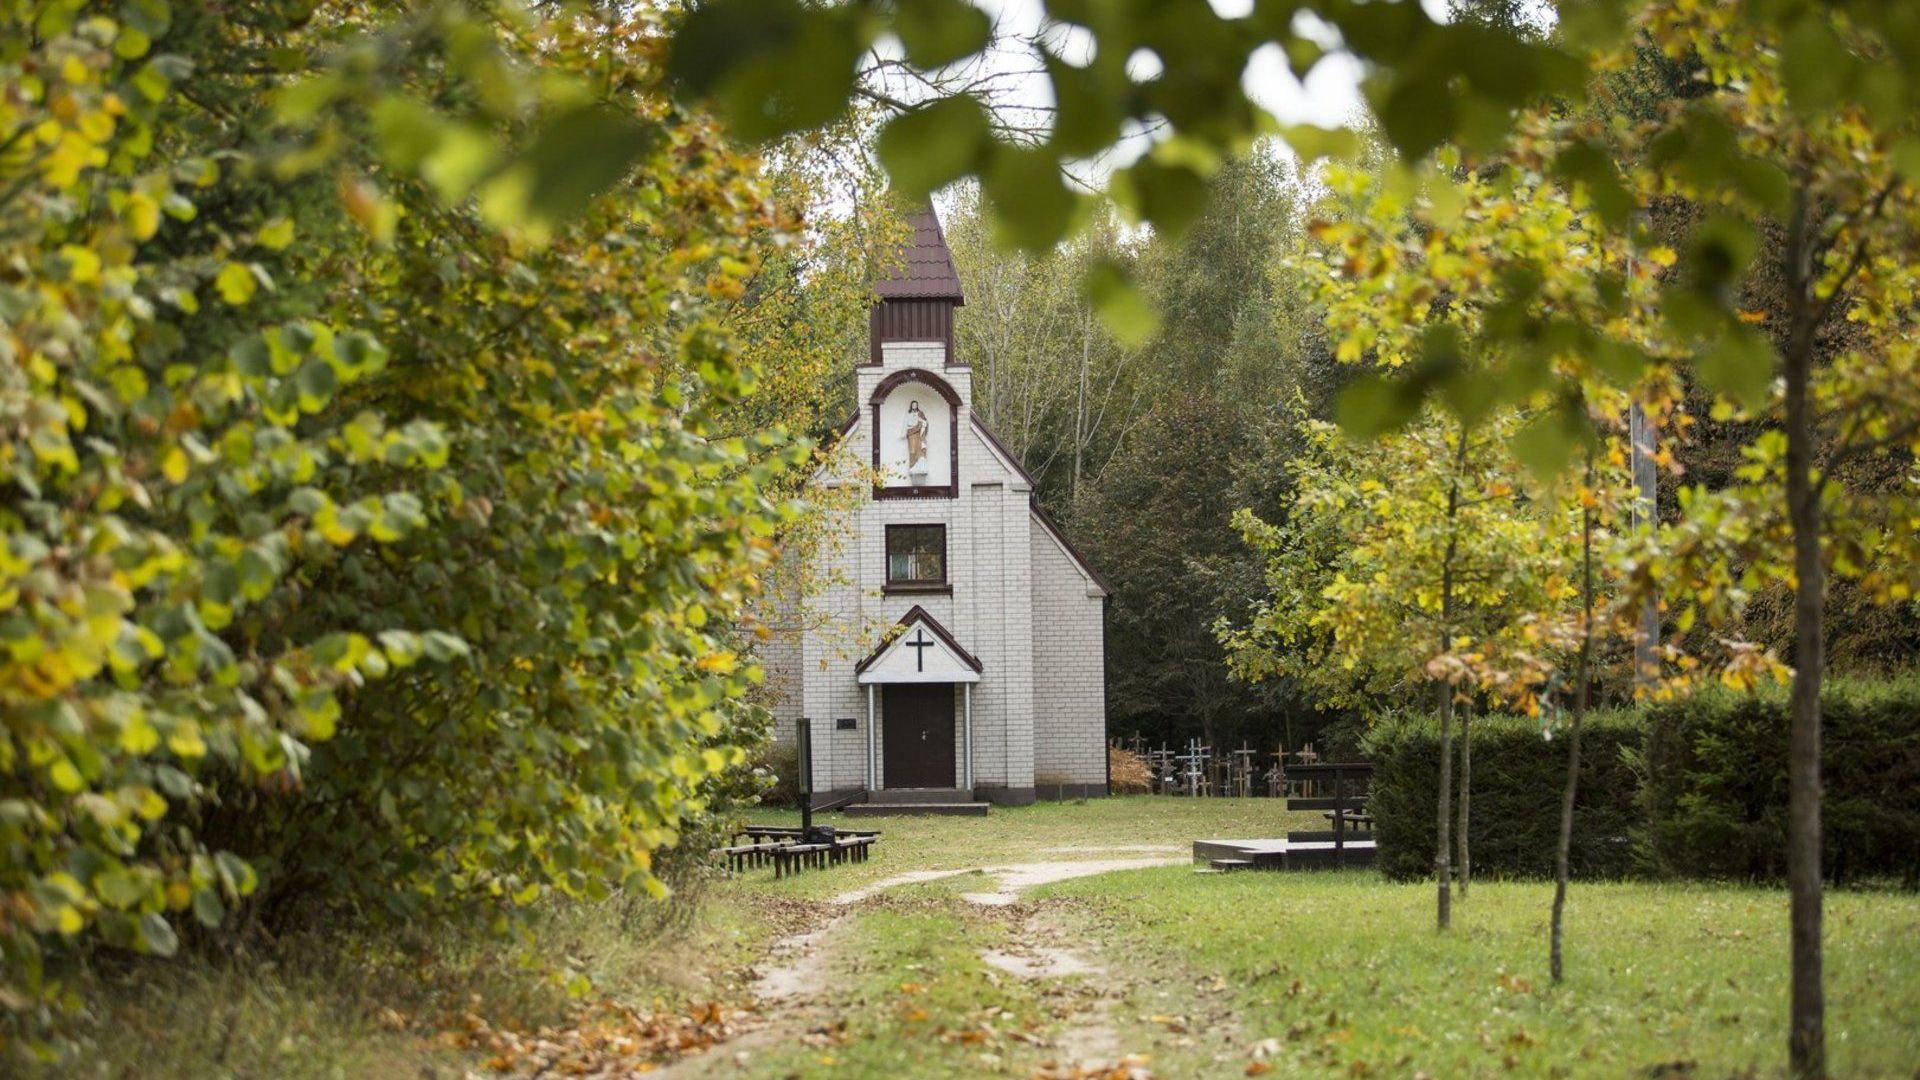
(920, 795)
(901, 809)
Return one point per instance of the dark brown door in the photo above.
(917, 733)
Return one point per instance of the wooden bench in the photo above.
(789, 858)
(1341, 790)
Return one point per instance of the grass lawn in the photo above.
(1303, 974)
(1043, 832)
(1345, 974)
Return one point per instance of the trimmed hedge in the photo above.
(1518, 778)
(1692, 788)
(1714, 795)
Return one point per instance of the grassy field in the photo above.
(1347, 976)
(399, 1005)
(1052, 831)
(1318, 975)
(1342, 974)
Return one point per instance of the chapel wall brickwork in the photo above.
(1069, 644)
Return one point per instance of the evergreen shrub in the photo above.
(1714, 795)
(1518, 777)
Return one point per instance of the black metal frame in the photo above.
(1341, 806)
(792, 850)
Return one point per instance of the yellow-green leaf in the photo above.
(236, 283)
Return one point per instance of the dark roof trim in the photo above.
(1046, 521)
(919, 614)
(993, 440)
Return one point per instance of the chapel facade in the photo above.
(968, 656)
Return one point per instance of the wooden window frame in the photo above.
(944, 585)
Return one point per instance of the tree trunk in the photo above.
(1563, 856)
(1442, 871)
(1642, 439)
(1466, 796)
(1080, 400)
(1806, 1043)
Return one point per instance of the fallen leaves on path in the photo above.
(1131, 1067)
(604, 1040)
(834, 1034)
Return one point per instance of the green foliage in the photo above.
(1518, 774)
(1797, 112)
(1714, 802)
(778, 767)
(1694, 787)
(775, 68)
(321, 363)
(1425, 558)
(1156, 523)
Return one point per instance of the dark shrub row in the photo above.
(1518, 776)
(1690, 788)
(1714, 784)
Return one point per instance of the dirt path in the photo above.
(788, 1003)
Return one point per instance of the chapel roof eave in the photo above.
(920, 615)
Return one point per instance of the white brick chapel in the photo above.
(977, 669)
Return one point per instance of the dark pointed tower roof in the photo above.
(926, 271)
(916, 299)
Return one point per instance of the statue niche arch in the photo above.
(915, 436)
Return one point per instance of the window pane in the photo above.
(917, 553)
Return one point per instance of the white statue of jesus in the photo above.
(916, 432)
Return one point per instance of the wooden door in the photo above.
(917, 735)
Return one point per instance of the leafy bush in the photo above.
(778, 768)
(321, 363)
(1714, 802)
(1518, 779)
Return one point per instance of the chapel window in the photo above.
(916, 554)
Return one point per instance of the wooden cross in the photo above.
(1244, 782)
(1196, 759)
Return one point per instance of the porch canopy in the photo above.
(918, 650)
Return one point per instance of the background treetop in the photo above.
(1501, 96)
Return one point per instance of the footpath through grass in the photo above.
(1343, 974)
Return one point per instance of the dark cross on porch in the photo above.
(919, 645)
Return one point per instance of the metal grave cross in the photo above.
(919, 645)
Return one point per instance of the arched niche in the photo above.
(916, 436)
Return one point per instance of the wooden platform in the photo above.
(906, 809)
(1284, 854)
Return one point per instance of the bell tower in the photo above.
(918, 296)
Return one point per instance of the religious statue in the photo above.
(916, 433)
